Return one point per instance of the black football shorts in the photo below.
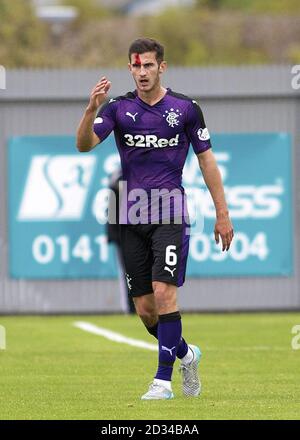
(154, 252)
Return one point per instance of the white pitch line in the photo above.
(113, 336)
(117, 337)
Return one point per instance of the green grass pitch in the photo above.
(52, 370)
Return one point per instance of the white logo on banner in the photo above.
(56, 187)
(244, 201)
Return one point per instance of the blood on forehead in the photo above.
(137, 59)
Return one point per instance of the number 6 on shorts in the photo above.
(171, 257)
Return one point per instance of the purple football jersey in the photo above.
(153, 142)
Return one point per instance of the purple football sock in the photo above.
(182, 347)
(169, 335)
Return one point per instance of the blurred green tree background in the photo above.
(212, 32)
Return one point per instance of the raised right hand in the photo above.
(99, 94)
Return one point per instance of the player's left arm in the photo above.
(200, 139)
(213, 180)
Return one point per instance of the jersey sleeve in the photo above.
(105, 120)
(196, 129)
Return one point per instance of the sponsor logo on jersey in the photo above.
(203, 134)
(172, 117)
(131, 115)
(150, 140)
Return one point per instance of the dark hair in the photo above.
(142, 45)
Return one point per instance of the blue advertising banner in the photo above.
(58, 206)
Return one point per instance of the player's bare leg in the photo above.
(146, 309)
